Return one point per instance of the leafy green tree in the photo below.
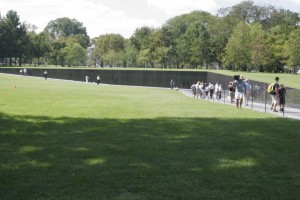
(246, 11)
(292, 49)
(75, 55)
(64, 27)
(4, 48)
(130, 54)
(280, 17)
(141, 38)
(62, 33)
(219, 30)
(160, 56)
(108, 46)
(260, 54)
(16, 36)
(40, 46)
(184, 40)
(238, 47)
(276, 38)
(56, 52)
(145, 57)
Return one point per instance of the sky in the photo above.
(119, 16)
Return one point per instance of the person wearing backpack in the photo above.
(275, 95)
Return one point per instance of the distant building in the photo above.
(90, 51)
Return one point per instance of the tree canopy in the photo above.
(245, 36)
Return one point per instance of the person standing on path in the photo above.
(172, 84)
(98, 80)
(247, 92)
(282, 95)
(275, 95)
(45, 75)
(193, 88)
(231, 91)
(240, 89)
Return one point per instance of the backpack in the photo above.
(270, 88)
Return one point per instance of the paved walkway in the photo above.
(293, 113)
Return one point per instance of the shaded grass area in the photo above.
(160, 158)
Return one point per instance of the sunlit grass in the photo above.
(68, 140)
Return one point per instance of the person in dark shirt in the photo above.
(275, 95)
(282, 95)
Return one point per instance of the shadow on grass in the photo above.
(162, 158)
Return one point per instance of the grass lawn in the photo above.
(70, 140)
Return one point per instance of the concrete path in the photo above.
(292, 113)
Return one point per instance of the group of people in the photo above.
(278, 95)
(87, 79)
(45, 73)
(23, 71)
(203, 90)
(240, 91)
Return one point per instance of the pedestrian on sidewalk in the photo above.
(275, 95)
(247, 92)
(240, 88)
(98, 80)
(282, 95)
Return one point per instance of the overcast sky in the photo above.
(119, 16)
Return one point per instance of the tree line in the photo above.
(246, 37)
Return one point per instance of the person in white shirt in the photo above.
(98, 80)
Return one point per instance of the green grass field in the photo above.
(70, 140)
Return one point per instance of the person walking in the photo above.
(211, 90)
(247, 92)
(220, 91)
(45, 75)
(193, 88)
(216, 89)
(282, 95)
(275, 95)
(172, 84)
(240, 88)
(98, 80)
(231, 91)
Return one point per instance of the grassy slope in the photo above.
(62, 140)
